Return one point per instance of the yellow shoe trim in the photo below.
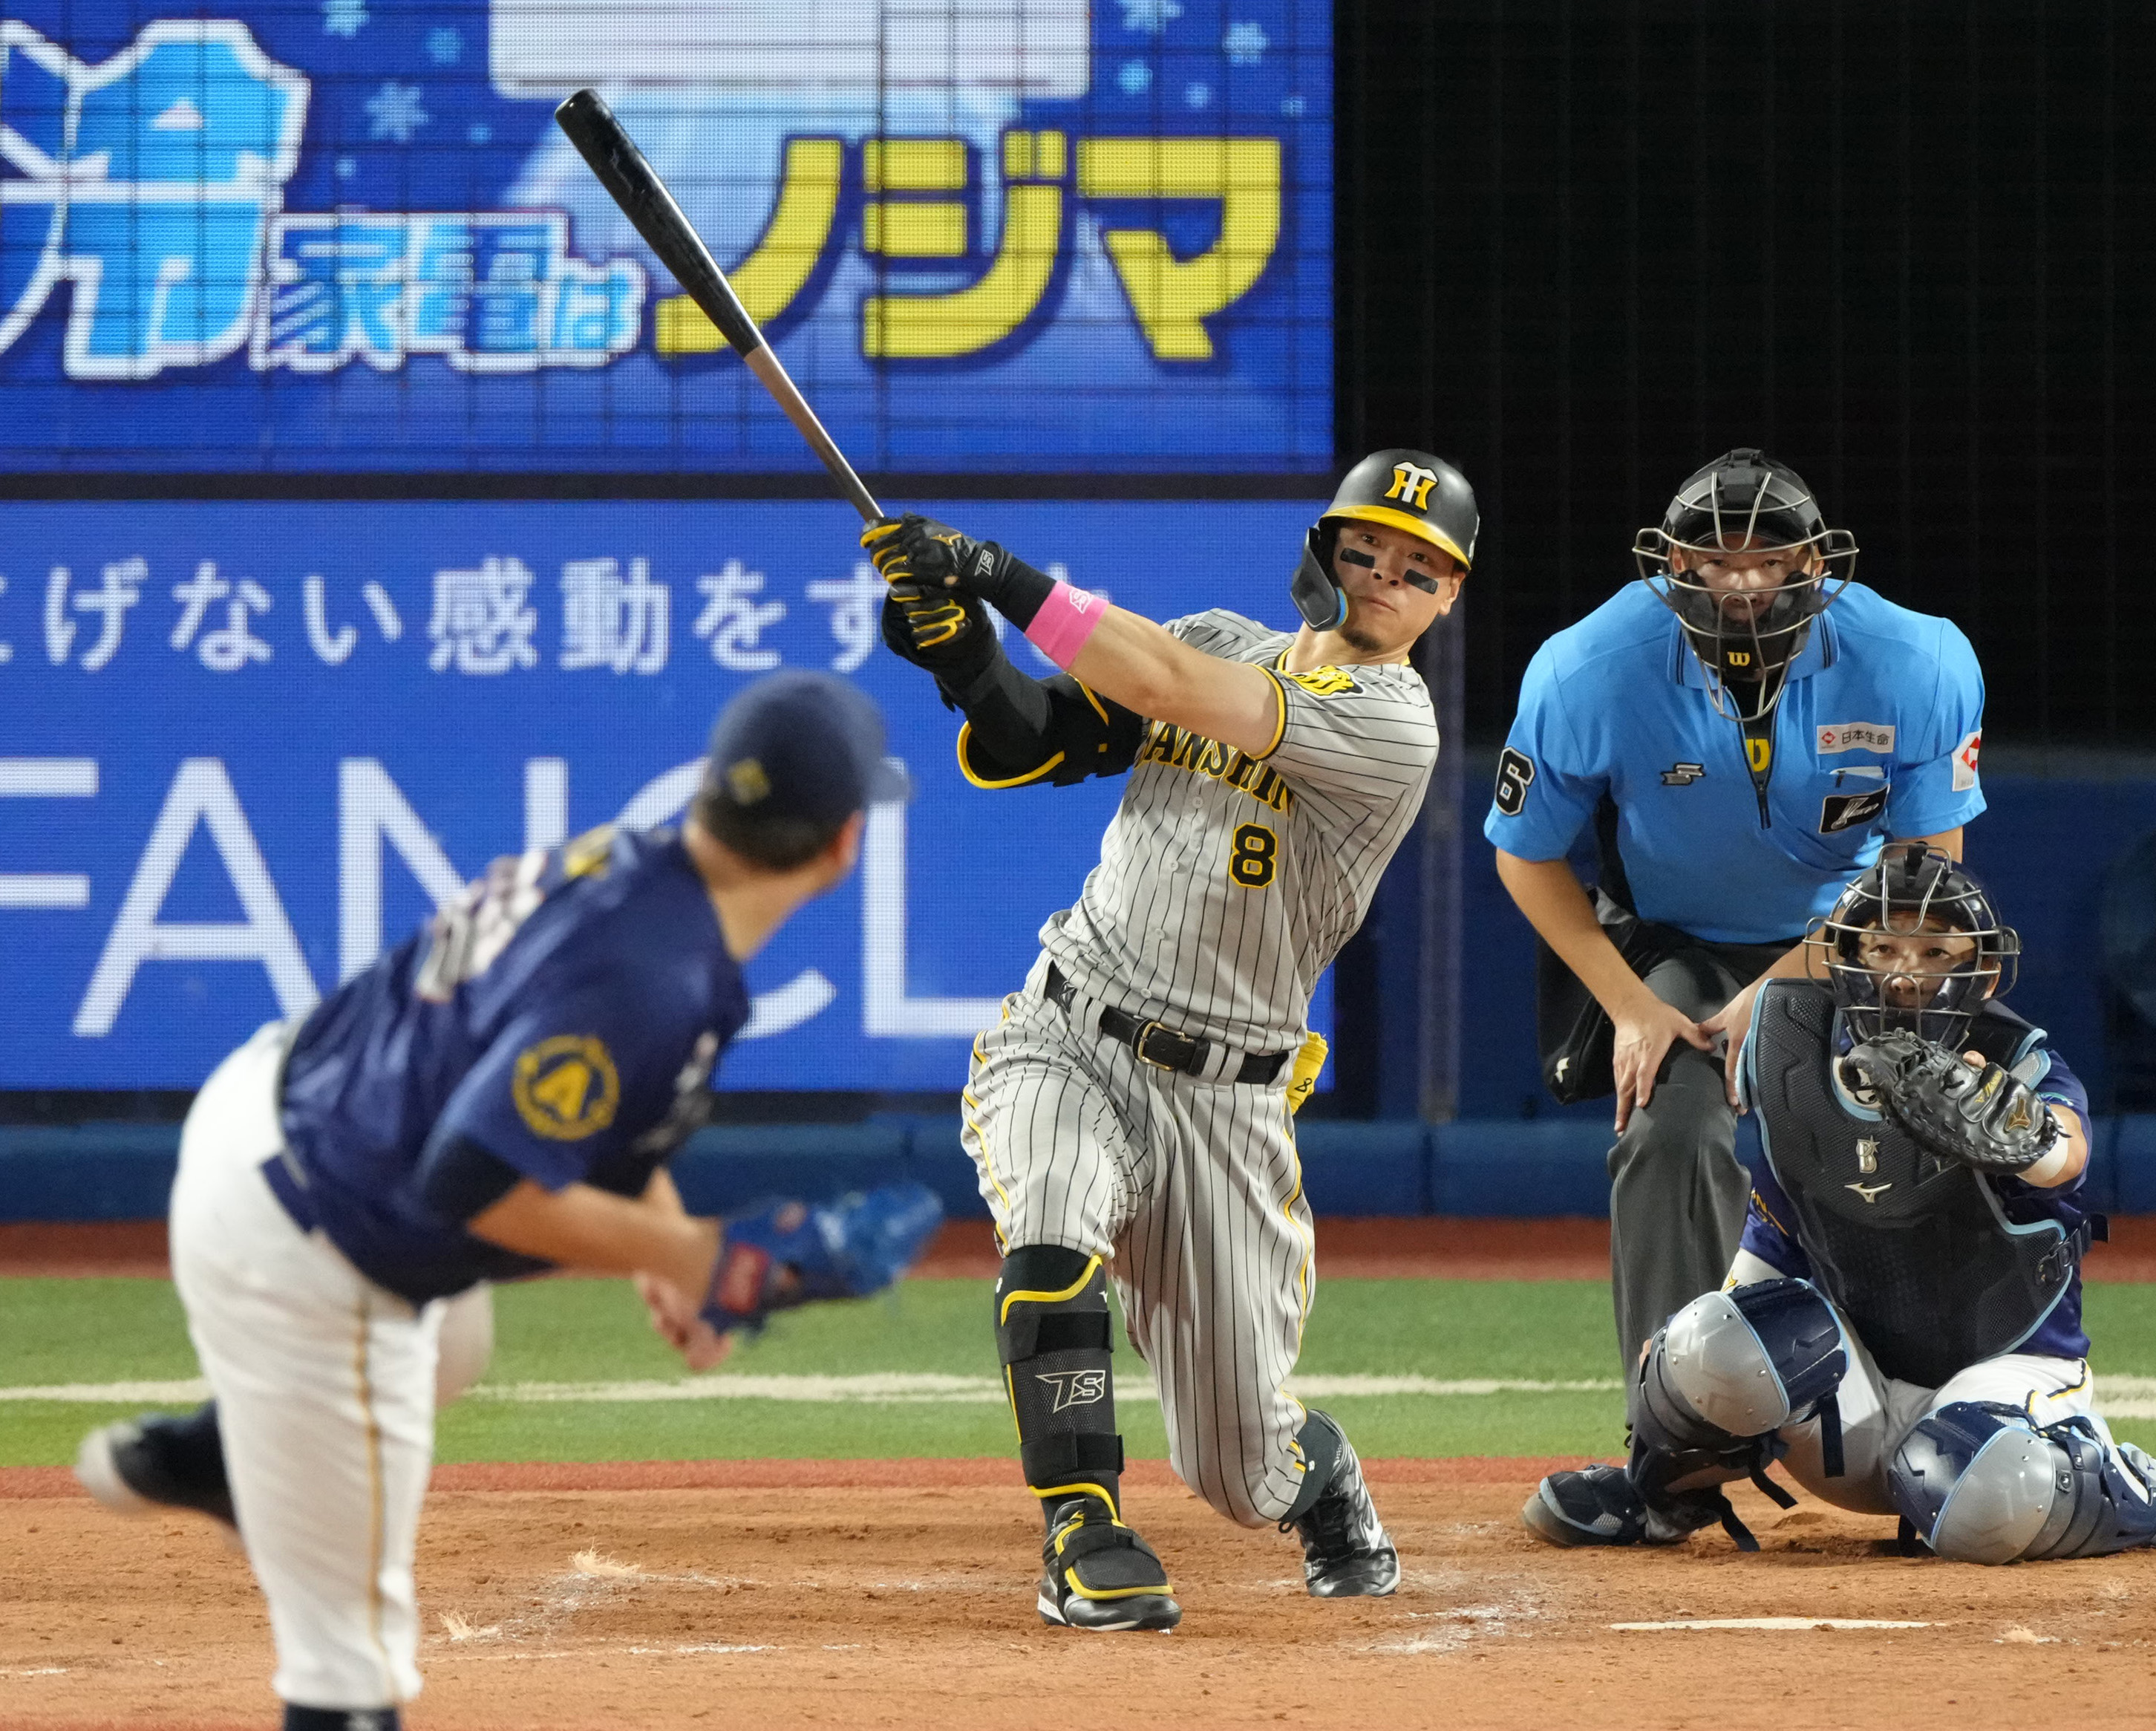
(1165, 1589)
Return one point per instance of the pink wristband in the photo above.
(1067, 618)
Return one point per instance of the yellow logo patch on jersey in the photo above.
(1325, 681)
(586, 856)
(1760, 754)
(566, 1088)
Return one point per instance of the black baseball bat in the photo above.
(634, 184)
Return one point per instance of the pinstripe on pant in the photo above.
(1193, 1190)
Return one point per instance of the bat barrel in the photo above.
(634, 184)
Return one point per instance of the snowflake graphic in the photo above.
(446, 47)
(1150, 15)
(343, 18)
(395, 111)
(1198, 95)
(1136, 78)
(1246, 43)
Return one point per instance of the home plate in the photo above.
(1776, 1623)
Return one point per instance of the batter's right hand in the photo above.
(1645, 1033)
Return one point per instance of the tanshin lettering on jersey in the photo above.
(1180, 748)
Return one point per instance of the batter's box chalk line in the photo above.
(1773, 1626)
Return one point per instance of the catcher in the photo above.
(1902, 1324)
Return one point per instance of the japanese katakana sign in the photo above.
(986, 234)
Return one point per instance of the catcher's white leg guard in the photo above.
(1719, 1379)
(1982, 1483)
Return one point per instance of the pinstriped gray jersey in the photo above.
(1227, 884)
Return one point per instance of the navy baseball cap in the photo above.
(803, 745)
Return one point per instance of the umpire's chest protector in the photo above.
(1915, 1250)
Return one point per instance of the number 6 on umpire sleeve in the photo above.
(1516, 774)
(1255, 857)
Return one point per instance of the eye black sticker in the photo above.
(1516, 774)
(1845, 811)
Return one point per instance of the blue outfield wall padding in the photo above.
(726, 1167)
(1356, 1169)
(1482, 1168)
(1488, 1168)
(87, 1172)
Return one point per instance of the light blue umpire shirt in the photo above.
(1876, 736)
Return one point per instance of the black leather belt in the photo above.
(1161, 1046)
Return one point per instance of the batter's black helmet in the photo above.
(1910, 884)
(1409, 489)
(1745, 499)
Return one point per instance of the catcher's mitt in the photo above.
(1989, 1119)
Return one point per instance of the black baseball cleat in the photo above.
(1347, 1554)
(1097, 1574)
(1596, 1505)
(158, 1461)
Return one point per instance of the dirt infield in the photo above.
(1369, 1250)
(888, 1603)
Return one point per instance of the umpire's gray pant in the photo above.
(1678, 1193)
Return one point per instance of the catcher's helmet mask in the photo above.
(1744, 500)
(1409, 490)
(1910, 885)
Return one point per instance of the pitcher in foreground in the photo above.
(497, 1096)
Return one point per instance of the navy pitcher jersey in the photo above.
(1877, 735)
(1769, 1236)
(566, 1014)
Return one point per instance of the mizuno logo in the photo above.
(1075, 1387)
(1869, 1193)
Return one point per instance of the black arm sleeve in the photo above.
(1020, 730)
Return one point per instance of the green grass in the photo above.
(99, 1331)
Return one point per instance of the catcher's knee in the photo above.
(1744, 1363)
(1719, 1379)
(1053, 1336)
(1981, 1483)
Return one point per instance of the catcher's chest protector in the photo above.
(1914, 1249)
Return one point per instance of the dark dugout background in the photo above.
(1906, 248)
(1585, 245)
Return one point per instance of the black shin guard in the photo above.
(1052, 1331)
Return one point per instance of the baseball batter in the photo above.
(1903, 1323)
(1131, 1115)
(497, 1096)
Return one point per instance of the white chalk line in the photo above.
(1774, 1625)
(2118, 1397)
(889, 1388)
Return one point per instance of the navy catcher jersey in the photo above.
(565, 1015)
(1877, 735)
(1769, 1224)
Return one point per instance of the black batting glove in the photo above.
(946, 631)
(916, 550)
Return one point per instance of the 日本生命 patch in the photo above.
(1854, 737)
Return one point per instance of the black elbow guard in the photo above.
(1019, 730)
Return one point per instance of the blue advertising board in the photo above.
(275, 236)
(250, 745)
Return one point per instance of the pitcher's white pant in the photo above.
(326, 1391)
(1194, 1192)
(1878, 1412)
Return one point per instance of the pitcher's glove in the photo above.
(1986, 1118)
(787, 1254)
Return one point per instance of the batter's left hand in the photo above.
(1733, 1021)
